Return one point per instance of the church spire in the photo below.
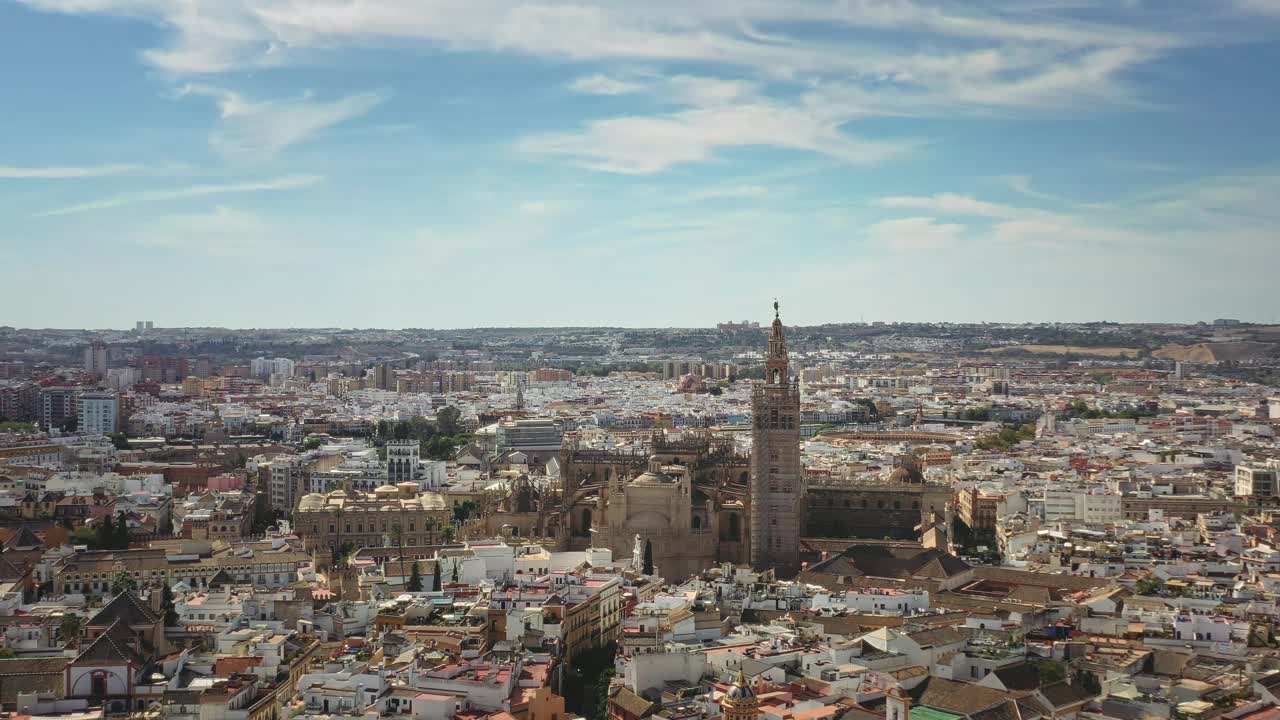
(776, 363)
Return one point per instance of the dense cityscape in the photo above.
(639, 360)
(751, 521)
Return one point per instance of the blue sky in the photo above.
(458, 163)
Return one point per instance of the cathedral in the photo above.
(694, 499)
(697, 501)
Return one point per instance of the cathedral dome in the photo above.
(740, 690)
(906, 476)
(651, 478)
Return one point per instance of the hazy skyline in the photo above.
(464, 163)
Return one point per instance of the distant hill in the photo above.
(1212, 352)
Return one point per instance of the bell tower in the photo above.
(776, 484)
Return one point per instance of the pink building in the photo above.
(226, 482)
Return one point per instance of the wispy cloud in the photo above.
(66, 172)
(254, 128)
(1262, 7)
(1021, 184)
(289, 182)
(951, 204)
(222, 231)
(600, 84)
(915, 233)
(802, 70)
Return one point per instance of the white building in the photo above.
(403, 461)
(286, 474)
(99, 412)
(95, 358)
(1256, 481)
(266, 367)
(1202, 627)
(881, 601)
(1091, 506)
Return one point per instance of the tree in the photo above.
(1051, 672)
(123, 583)
(1149, 586)
(447, 420)
(448, 534)
(455, 570)
(107, 533)
(119, 440)
(1089, 682)
(436, 582)
(648, 557)
(122, 536)
(345, 551)
(70, 627)
(170, 611)
(415, 580)
(464, 510)
(84, 535)
(312, 443)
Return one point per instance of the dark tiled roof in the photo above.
(23, 538)
(31, 675)
(1063, 694)
(958, 697)
(1007, 710)
(1054, 581)
(1030, 708)
(127, 607)
(1023, 677)
(936, 637)
(111, 646)
(630, 702)
(892, 561)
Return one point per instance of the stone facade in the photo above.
(378, 519)
(659, 507)
(777, 487)
(717, 501)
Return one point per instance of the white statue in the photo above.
(637, 554)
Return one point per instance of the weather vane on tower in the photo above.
(776, 314)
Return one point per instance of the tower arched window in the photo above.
(697, 522)
(735, 527)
